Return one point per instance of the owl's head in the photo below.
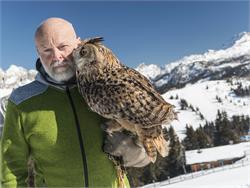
(91, 55)
(87, 54)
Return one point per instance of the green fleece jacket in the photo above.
(41, 123)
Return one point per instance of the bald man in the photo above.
(48, 121)
(55, 40)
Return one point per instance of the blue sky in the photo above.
(151, 32)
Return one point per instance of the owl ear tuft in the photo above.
(96, 40)
(93, 40)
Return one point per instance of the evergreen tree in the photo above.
(225, 131)
(210, 129)
(203, 139)
(241, 91)
(183, 104)
(176, 159)
(201, 116)
(218, 99)
(176, 97)
(190, 141)
(191, 107)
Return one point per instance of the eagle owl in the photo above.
(122, 95)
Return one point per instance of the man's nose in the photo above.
(57, 55)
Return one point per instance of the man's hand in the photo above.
(124, 145)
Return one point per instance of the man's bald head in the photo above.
(52, 26)
(55, 40)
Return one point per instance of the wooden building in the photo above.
(203, 159)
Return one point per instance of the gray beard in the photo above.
(60, 76)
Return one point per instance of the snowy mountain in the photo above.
(12, 78)
(15, 76)
(150, 71)
(233, 61)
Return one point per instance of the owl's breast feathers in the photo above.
(126, 94)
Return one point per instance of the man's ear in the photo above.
(78, 40)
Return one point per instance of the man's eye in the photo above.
(47, 50)
(63, 47)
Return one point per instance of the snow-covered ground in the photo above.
(236, 175)
(203, 95)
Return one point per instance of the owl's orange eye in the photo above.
(83, 51)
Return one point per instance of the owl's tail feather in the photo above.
(161, 145)
(153, 141)
(152, 145)
(150, 148)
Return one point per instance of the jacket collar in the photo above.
(44, 78)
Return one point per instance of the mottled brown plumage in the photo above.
(122, 95)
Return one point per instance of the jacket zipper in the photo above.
(84, 158)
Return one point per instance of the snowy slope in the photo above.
(203, 95)
(230, 178)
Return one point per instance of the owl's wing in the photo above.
(144, 82)
(130, 96)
